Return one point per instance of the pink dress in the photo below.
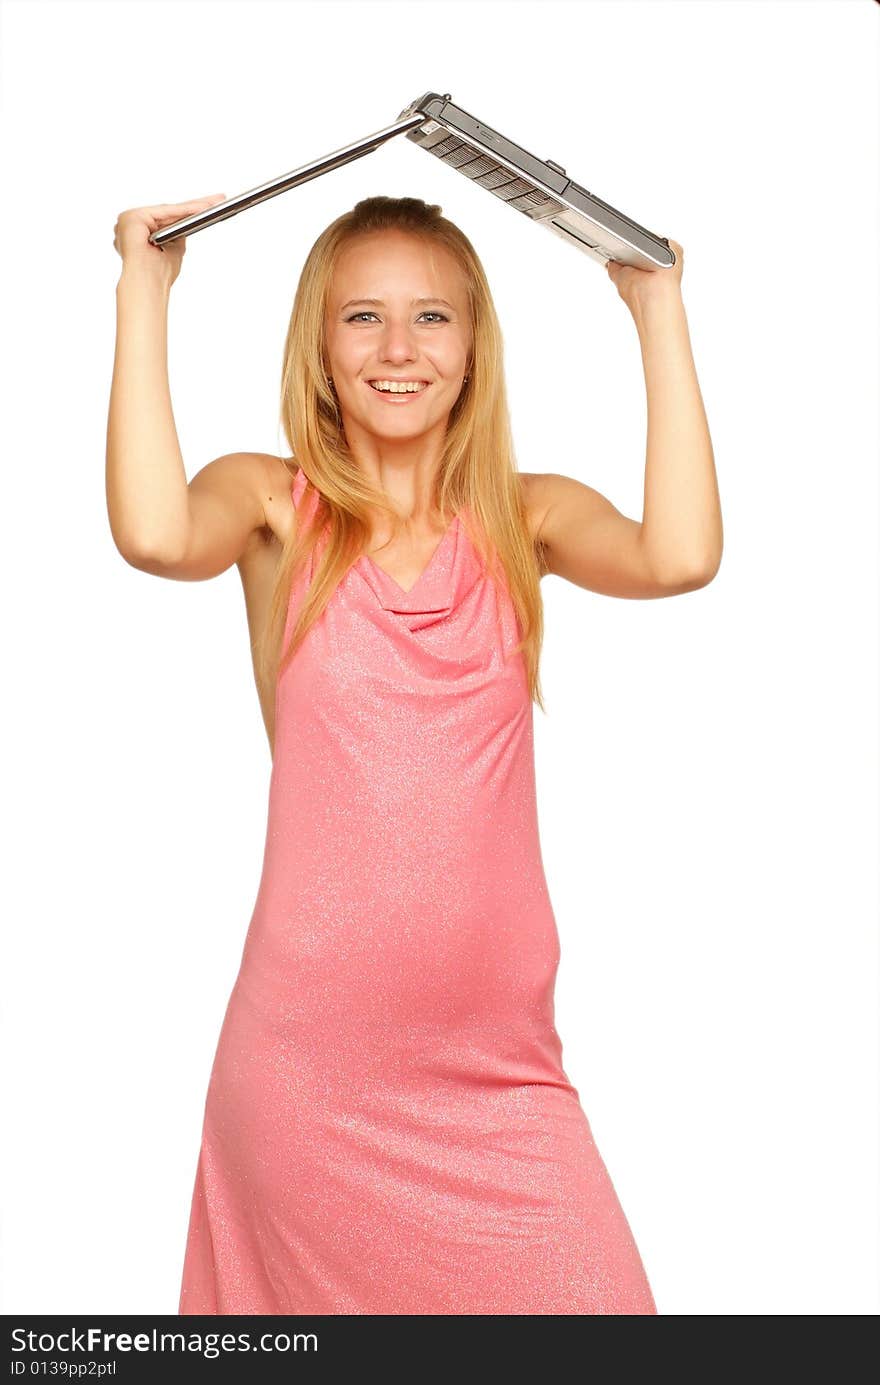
(388, 1126)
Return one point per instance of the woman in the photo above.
(388, 1127)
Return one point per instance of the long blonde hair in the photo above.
(477, 469)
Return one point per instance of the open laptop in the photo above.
(538, 188)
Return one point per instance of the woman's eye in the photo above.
(355, 316)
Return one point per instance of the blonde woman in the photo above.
(389, 1128)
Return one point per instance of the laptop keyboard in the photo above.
(480, 168)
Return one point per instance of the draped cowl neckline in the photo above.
(448, 575)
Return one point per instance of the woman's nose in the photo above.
(398, 340)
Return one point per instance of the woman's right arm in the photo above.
(157, 521)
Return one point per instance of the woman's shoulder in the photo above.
(287, 468)
(281, 474)
(536, 499)
(275, 478)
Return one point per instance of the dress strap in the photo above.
(298, 486)
(298, 490)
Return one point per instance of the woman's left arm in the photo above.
(681, 525)
(678, 544)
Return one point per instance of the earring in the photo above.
(466, 378)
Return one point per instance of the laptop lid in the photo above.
(242, 200)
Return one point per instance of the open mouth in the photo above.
(398, 396)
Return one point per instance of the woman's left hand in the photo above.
(639, 286)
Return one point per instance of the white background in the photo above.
(707, 770)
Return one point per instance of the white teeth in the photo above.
(396, 386)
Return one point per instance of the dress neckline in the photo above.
(444, 580)
(426, 570)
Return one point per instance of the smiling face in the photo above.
(416, 328)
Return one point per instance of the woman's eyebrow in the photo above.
(378, 302)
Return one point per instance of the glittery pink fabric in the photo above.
(388, 1126)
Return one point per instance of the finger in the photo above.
(162, 216)
(182, 206)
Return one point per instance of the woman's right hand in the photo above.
(134, 227)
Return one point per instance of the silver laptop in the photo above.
(538, 188)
